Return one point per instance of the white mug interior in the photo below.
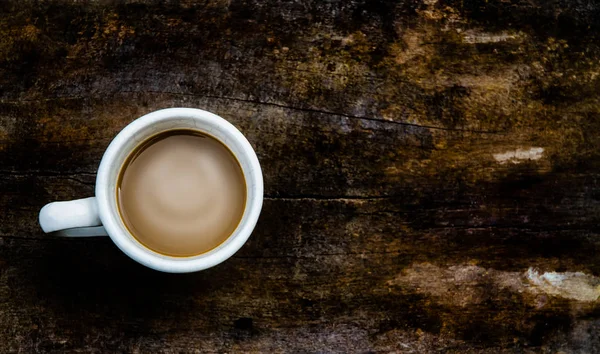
(148, 126)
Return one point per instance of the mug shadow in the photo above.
(91, 280)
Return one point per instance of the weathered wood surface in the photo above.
(432, 174)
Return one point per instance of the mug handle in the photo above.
(74, 218)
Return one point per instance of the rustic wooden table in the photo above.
(432, 174)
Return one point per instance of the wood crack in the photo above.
(314, 197)
(284, 106)
(49, 173)
(313, 110)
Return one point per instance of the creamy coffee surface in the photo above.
(182, 193)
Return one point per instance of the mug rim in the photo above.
(112, 220)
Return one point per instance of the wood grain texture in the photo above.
(432, 174)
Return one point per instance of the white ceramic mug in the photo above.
(78, 217)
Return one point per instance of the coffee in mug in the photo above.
(181, 193)
(178, 190)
